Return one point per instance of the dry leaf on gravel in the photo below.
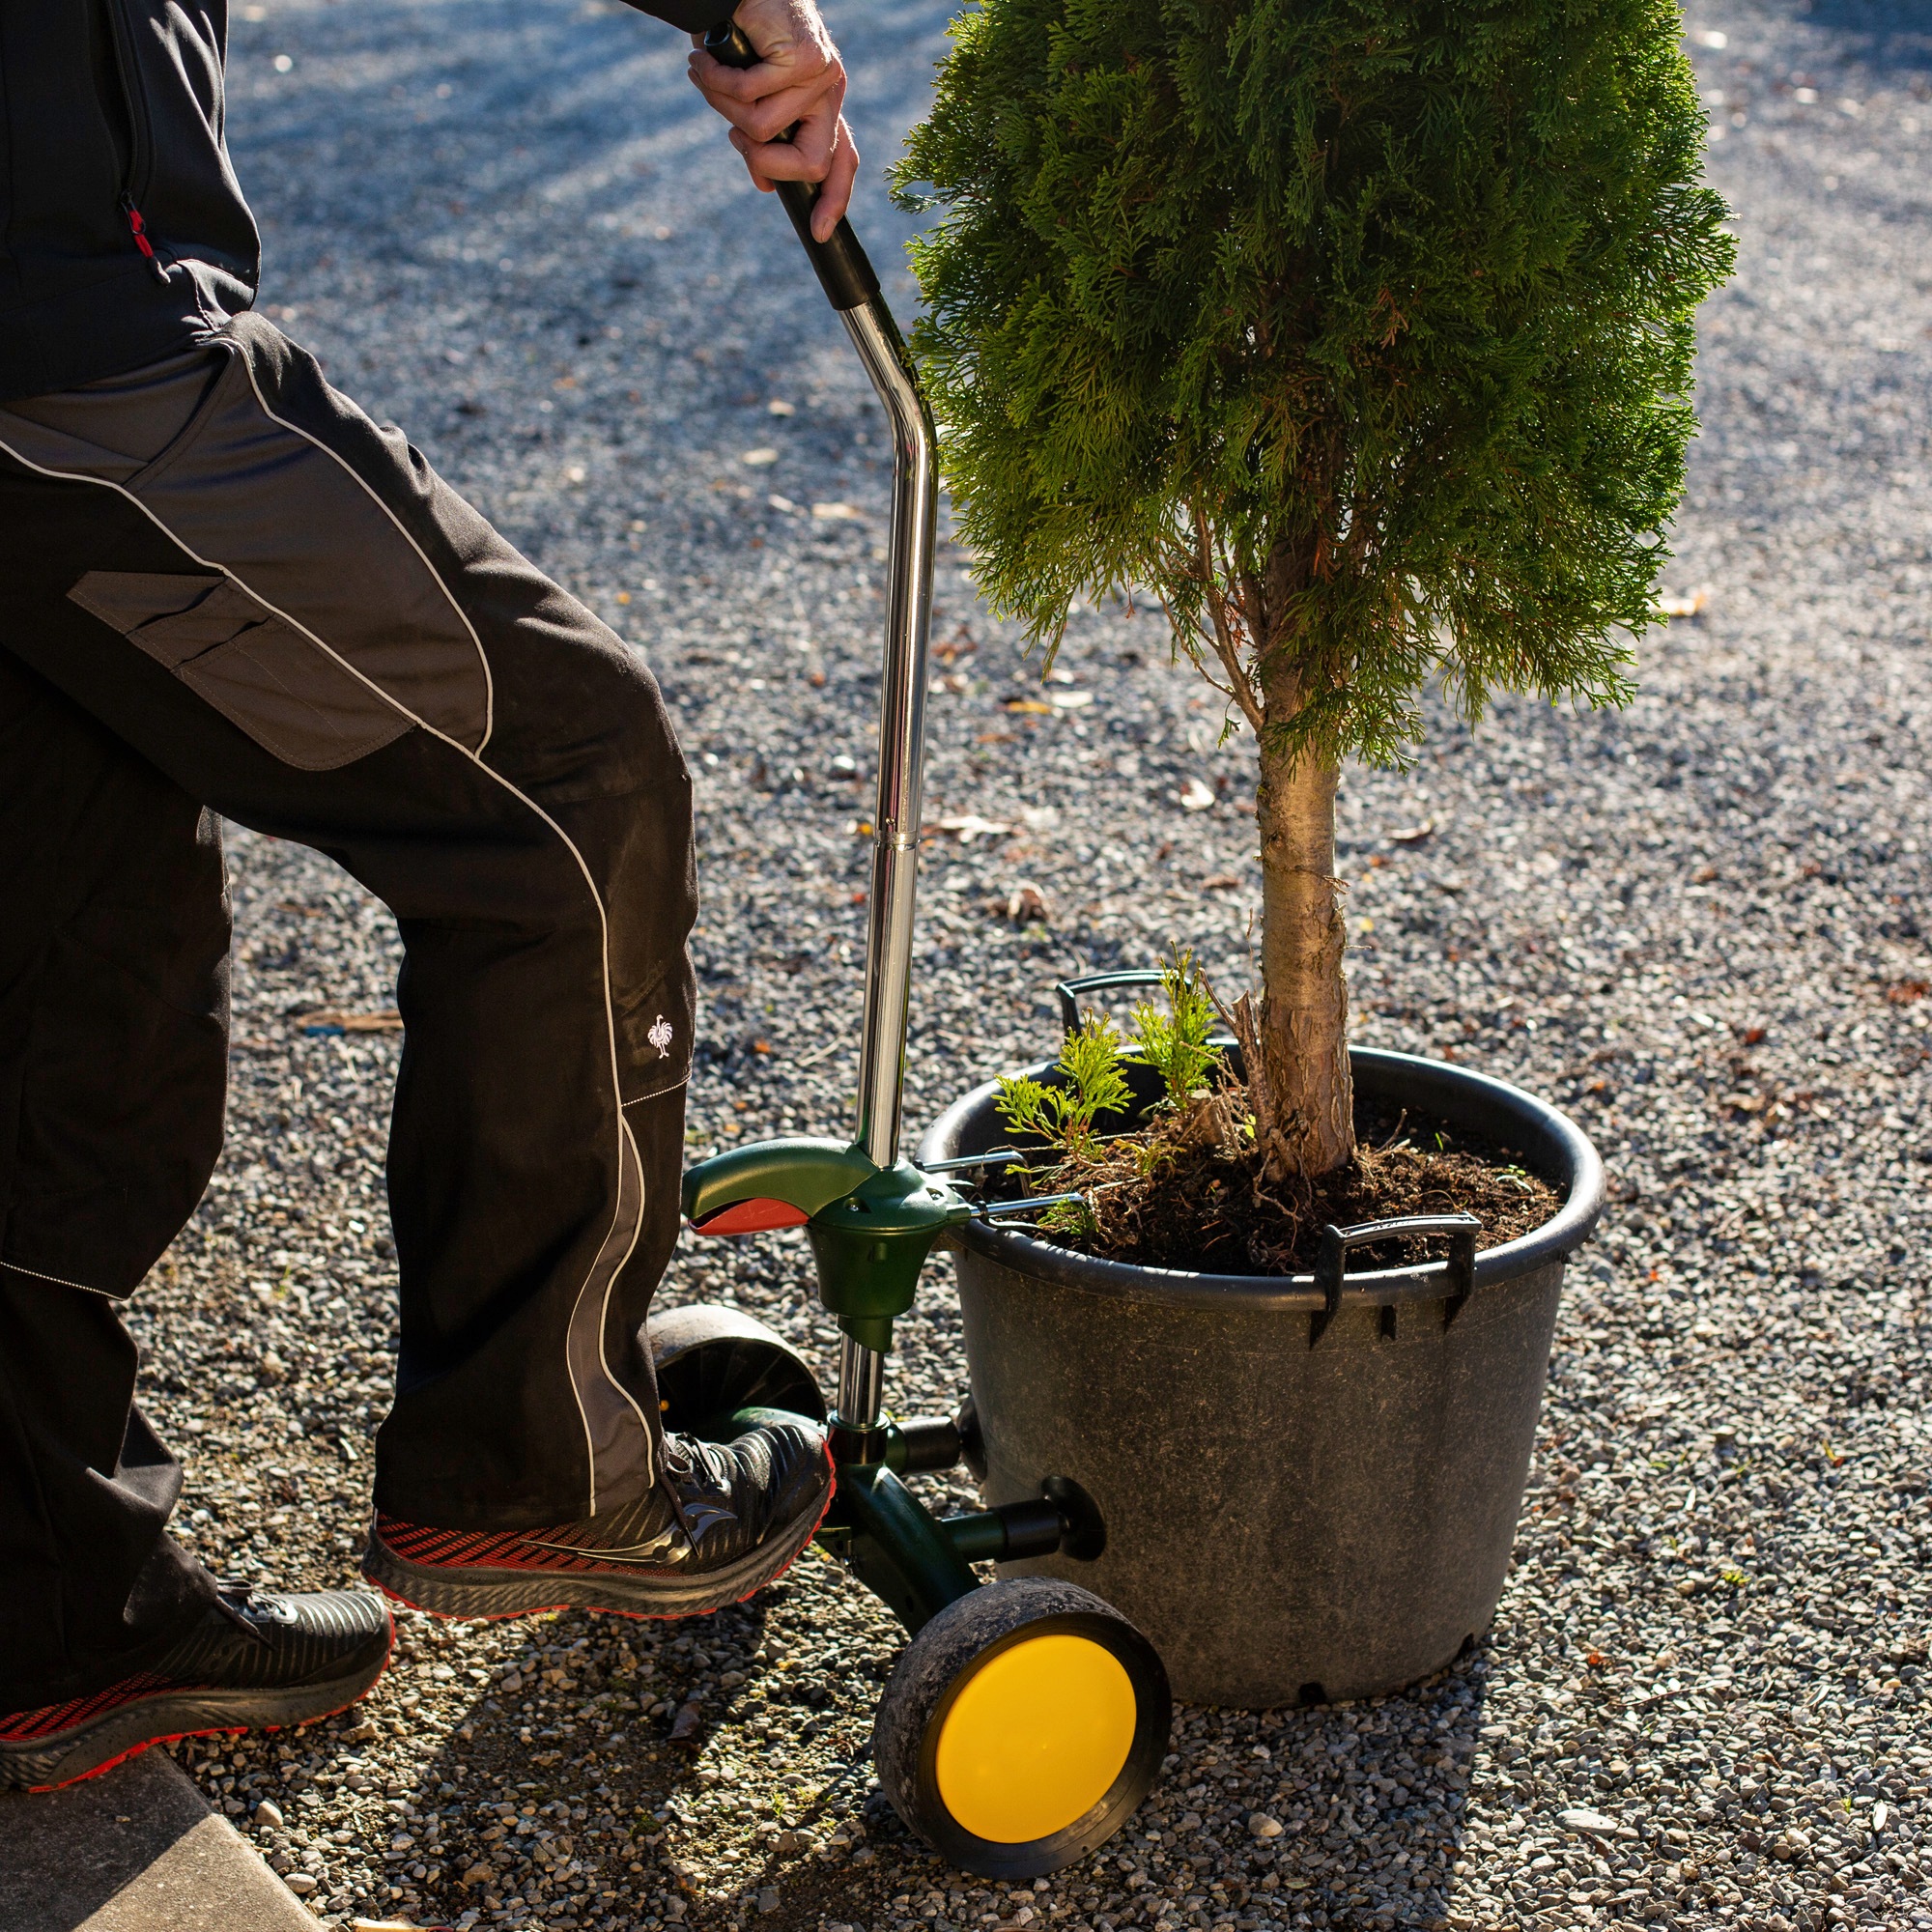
(969, 826)
(387, 1020)
(1026, 901)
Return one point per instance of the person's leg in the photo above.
(113, 1026)
(292, 616)
(113, 1044)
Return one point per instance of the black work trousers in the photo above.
(225, 590)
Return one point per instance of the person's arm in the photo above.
(798, 84)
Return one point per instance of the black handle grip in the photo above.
(844, 272)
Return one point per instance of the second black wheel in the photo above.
(1022, 1727)
(712, 1361)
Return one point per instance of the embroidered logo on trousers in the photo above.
(660, 1036)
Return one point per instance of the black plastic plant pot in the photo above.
(1310, 1495)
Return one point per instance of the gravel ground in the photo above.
(1696, 923)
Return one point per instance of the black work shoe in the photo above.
(721, 1520)
(251, 1664)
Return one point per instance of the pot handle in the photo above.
(1068, 991)
(1459, 1268)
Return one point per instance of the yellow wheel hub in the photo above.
(1036, 1739)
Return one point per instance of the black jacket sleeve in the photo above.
(692, 17)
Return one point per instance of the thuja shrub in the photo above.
(1359, 332)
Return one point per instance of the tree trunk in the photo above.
(1304, 1097)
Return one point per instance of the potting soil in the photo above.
(1192, 1191)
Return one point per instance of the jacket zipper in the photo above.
(138, 227)
(137, 224)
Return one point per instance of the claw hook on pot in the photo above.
(1460, 1269)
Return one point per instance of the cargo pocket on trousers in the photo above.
(654, 1032)
(260, 673)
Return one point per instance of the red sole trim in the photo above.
(133, 1750)
(222, 1730)
(636, 1616)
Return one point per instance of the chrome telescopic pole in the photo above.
(896, 823)
(901, 729)
(862, 1382)
(852, 288)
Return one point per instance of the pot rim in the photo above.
(1562, 1143)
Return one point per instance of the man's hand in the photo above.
(798, 79)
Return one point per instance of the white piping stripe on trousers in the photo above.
(461, 615)
(61, 1281)
(624, 1136)
(624, 1139)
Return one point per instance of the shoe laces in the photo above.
(685, 1457)
(676, 1461)
(232, 1598)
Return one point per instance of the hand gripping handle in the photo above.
(844, 271)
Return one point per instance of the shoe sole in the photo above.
(476, 1593)
(47, 1764)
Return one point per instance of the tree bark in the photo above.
(1304, 1096)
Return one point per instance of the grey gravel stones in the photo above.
(1697, 924)
(1595, 1823)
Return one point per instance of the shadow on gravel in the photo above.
(1384, 1789)
(1877, 33)
(424, 153)
(582, 1807)
(634, 1773)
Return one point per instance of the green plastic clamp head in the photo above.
(801, 1173)
(870, 1227)
(872, 1244)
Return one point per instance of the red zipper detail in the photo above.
(138, 228)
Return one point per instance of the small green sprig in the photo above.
(1092, 1085)
(1069, 1217)
(1176, 1043)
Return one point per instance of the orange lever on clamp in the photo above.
(755, 1216)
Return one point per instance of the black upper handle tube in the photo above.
(844, 272)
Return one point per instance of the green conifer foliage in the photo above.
(1358, 331)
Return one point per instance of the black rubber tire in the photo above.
(712, 1360)
(940, 1660)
